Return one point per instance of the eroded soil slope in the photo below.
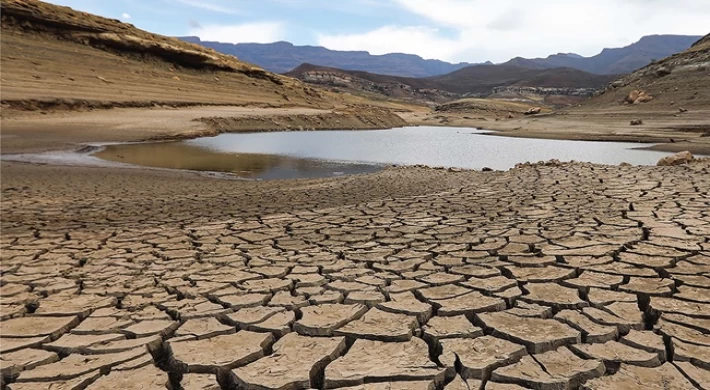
(681, 80)
(51, 52)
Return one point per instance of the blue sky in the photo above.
(451, 30)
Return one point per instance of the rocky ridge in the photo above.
(677, 82)
(335, 78)
(558, 87)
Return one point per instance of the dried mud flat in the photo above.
(556, 276)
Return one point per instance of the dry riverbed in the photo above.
(561, 275)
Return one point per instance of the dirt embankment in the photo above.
(334, 120)
(24, 132)
(54, 56)
(661, 130)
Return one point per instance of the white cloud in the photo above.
(258, 32)
(125, 16)
(481, 30)
(356, 7)
(394, 39)
(210, 6)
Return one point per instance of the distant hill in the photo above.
(477, 80)
(282, 57)
(417, 82)
(615, 61)
(418, 90)
(679, 80)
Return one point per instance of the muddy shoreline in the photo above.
(38, 131)
(662, 131)
(33, 131)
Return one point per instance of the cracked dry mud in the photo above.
(548, 276)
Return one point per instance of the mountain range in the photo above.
(565, 85)
(678, 82)
(281, 57)
(615, 61)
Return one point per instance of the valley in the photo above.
(554, 87)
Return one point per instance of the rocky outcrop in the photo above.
(676, 159)
(637, 96)
(545, 91)
(533, 111)
(115, 36)
(369, 118)
(393, 89)
(679, 79)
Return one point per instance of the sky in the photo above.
(450, 30)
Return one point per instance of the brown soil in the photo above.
(51, 52)
(688, 131)
(35, 132)
(406, 261)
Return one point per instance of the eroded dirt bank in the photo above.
(345, 119)
(669, 130)
(31, 131)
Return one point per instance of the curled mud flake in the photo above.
(377, 361)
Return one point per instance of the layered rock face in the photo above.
(546, 91)
(390, 89)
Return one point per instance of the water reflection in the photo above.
(282, 155)
(181, 155)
